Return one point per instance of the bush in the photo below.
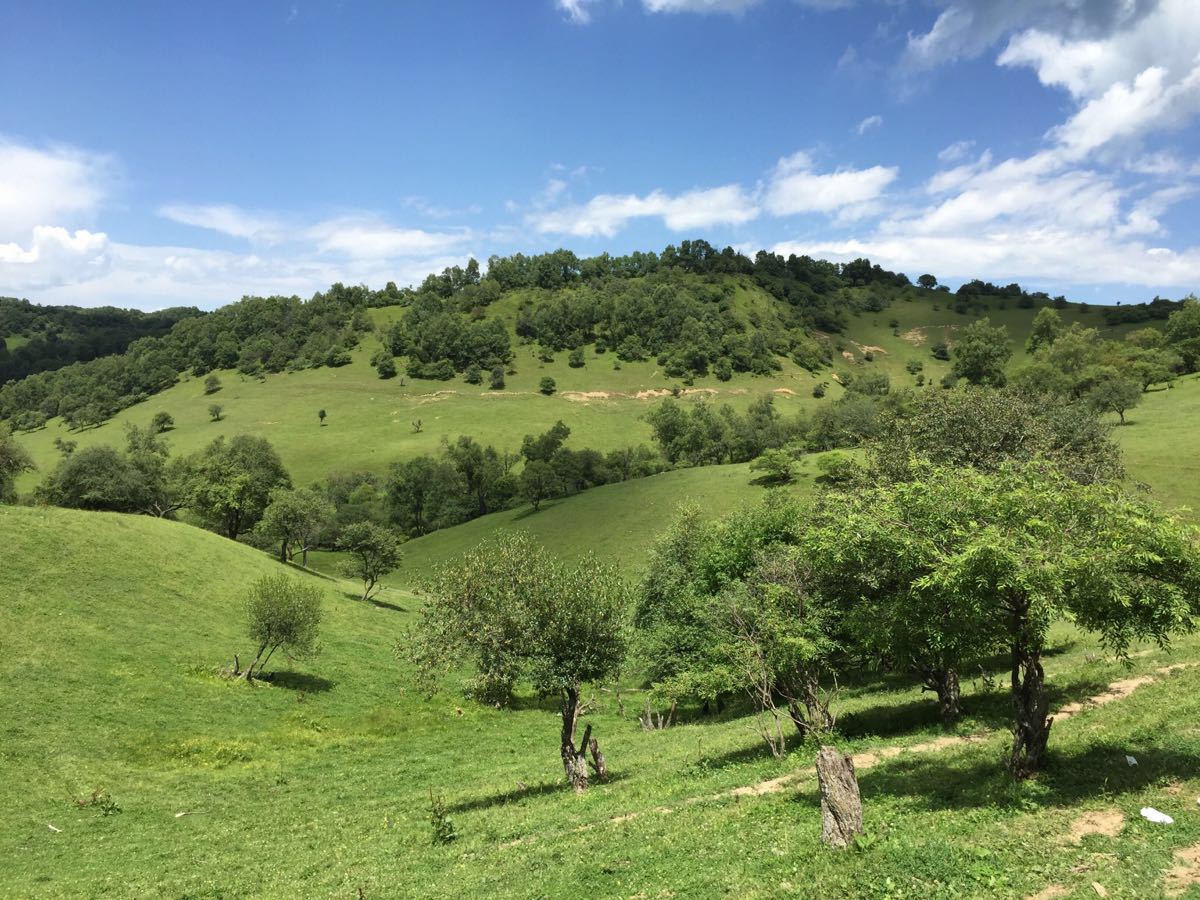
(212, 384)
(497, 378)
(547, 386)
(575, 358)
(818, 390)
(474, 374)
(386, 366)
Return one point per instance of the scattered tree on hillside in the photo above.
(282, 613)
(385, 365)
(981, 353)
(215, 411)
(516, 612)
(1183, 332)
(928, 282)
(229, 483)
(162, 421)
(372, 551)
(538, 482)
(1047, 326)
(212, 384)
(321, 415)
(295, 519)
(777, 466)
(547, 386)
(497, 380)
(13, 461)
(65, 448)
(1115, 393)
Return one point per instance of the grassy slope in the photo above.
(370, 421)
(318, 787)
(617, 522)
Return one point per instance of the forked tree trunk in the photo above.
(1031, 730)
(574, 760)
(841, 803)
(944, 682)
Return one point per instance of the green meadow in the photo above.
(318, 784)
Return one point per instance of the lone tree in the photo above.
(295, 519)
(161, 422)
(215, 410)
(321, 415)
(282, 613)
(1116, 393)
(969, 563)
(547, 386)
(13, 461)
(212, 384)
(516, 612)
(777, 467)
(373, 551)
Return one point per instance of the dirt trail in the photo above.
(1090, 823)
(1186, 873)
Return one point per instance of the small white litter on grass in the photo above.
(59, 830)
(1130, 761)
(1153, 815)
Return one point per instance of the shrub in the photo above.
(281, 613)
(547, 386)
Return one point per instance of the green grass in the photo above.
(1160, 442)
(111, 628)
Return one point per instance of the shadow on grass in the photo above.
(1067, 778)
(524, 792)
(299, 681)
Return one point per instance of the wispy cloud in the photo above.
(868, 123)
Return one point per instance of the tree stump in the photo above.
(841, 804)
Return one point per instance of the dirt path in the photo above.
(1092, 823)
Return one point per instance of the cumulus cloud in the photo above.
(227, 219)
(53, 256)
(44, 185)
(868, 123)
(605, 214)
(795, 187)
(576, 11)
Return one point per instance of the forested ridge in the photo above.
(678, 307)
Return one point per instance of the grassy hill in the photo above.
(112, 628)
(617, 522)
(370, 421)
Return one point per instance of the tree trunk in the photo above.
(809, 711)
(598, 762)
(574, 760)
(283, 552)
(1031, 729)
(305, 556)
(841, 803)
(944, 682)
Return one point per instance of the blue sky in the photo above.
(155, 154)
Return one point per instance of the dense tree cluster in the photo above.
(56, 336)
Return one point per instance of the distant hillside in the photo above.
(43, 338)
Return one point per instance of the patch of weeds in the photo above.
(207, 752)
(99, 800)
(440, 821)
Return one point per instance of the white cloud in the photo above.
(956, 151)
(967, 28)
(868, 123)
(605, 214)
(44, 185)
(367, 237)
(796, 188)
(227, 219)
(576, 10)
(54, 256)
(734, 7)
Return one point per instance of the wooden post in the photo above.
(841, 804)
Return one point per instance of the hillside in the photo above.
(617, 522)
(370, 420)
(113, 627)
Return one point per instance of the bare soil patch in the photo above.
(1186, 872)
(1107, 822)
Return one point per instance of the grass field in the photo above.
(113, 627)
(370, 423)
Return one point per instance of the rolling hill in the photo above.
(114, 628)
